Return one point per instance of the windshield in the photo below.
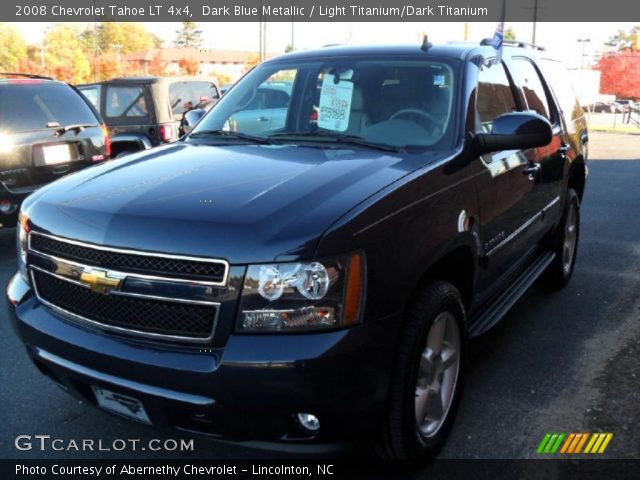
(386, 101)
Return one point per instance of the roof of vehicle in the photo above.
(458, 50)
(152, 79)
(6, 77)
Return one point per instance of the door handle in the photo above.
(262, 119)
(564, 148)
(531, 170)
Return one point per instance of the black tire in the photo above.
(401, 438)
(559, 272)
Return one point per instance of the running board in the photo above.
(488, 316)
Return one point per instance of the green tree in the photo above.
(623, 40)
(65, 57)
(188, 36)
(125, 37)
(13, 48)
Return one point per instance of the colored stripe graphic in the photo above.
(581, 443)
(551, 443)
(572, 443)
(543, 443)
(598, 442)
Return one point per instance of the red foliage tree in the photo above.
(188, 66)
(620, 74)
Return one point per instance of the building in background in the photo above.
(230, 64)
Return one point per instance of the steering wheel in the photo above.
(434, 122)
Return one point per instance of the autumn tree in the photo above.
(157, 66)
(188, 66)
(13, 48)
(65, 57)
(125, 37)
(620, 73)
(253, 60)
(221, 78)
(188, 36)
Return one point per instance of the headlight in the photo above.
(302, 296)
(22, 236)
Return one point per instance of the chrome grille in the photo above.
(128, 291)
(133, 314)
(210, 271)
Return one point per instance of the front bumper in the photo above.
(249, 390)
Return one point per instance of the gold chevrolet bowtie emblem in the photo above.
(100, 281)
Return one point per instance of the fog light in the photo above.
(309, 421)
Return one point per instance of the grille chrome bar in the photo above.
(169, 277)
(114, 328)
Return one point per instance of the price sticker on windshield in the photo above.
(335, 103)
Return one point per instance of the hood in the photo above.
(249, 203)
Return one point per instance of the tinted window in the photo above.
(494, 95)
(126, 101)
(93, 95)
(527, 78)
(185, 96)
(31, 106)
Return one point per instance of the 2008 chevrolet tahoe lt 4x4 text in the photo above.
(315, 279)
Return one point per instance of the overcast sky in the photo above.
(560, 39)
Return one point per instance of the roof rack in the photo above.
(26, 75)
(513, 43)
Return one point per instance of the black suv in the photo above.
(315, 281)
(47, 129)
(144, 112)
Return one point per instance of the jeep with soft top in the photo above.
(318, 279)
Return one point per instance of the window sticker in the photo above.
(438, 80)
(335, 103)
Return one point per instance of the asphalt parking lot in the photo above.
(565, 361)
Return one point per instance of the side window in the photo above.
(527, 78)
(185, 96)
(126, 102)
(494, 96)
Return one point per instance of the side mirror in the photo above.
(515, 131)
(190, 119)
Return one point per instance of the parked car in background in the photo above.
(144, 112)
(625, 104)
(47, 130)
(603, 107)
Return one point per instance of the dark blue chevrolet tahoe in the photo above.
(318, 279)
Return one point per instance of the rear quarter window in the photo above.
(558, 79)
(31, 106)
(92, 94)
(126, 101)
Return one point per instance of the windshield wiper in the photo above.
(77, 127)
(339, 138)
(231, 136)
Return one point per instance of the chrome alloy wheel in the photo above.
(570, 238)
(437, 374)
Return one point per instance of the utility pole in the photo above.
(535, 21)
